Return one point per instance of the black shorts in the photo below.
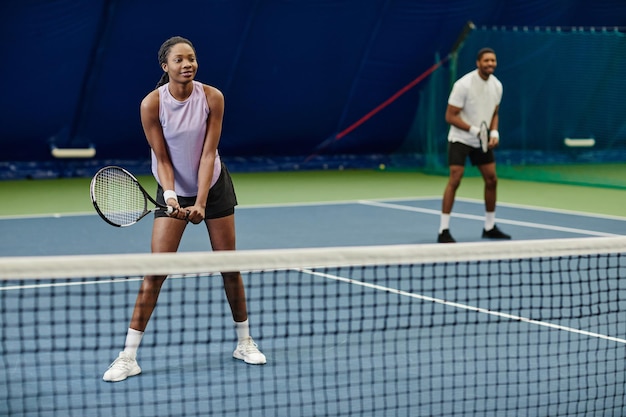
(220, 203)
(458, 153)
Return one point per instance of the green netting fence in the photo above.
(559, 84)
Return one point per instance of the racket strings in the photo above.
(119, 197)
(483, 135)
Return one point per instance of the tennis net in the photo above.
(487, 329)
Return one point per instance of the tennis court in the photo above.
(336, 137)
(423, 339)
(294, 225)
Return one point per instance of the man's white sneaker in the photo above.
(124, 366)
(249, 352)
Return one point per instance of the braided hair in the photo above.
(164, 51)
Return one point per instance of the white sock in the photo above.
(133, 339)
(490, 220)
(243, 330)
(444, 222)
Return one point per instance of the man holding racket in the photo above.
(472, 113)
(182, 121)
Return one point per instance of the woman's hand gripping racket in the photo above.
(483, 136)
(119, 198)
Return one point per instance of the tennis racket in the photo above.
(483, 136)
(119, 198)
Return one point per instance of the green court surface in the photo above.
(599, 175)
(32, 197)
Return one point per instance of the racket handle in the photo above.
(170, 209)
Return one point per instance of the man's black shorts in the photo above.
(458, 153)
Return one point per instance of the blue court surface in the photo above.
(353, 223)
(360, 326)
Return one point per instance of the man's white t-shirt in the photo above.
(477, 99)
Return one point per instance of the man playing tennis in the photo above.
(182, 121)
(475, 98)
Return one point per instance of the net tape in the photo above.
(43, 267)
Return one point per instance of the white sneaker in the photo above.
(249, 352)
(124, 366)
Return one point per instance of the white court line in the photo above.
(437, 199)
(68, 284)
(97, 282)
(547, 209)
(345, 202)
(481, 218)
(463, 306)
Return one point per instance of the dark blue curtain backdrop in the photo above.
(293, 72)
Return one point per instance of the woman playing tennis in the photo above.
(182, 121)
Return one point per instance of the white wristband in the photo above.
(474, 130)
(494, 134)
(167, 194)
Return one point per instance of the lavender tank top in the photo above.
(184, 126)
